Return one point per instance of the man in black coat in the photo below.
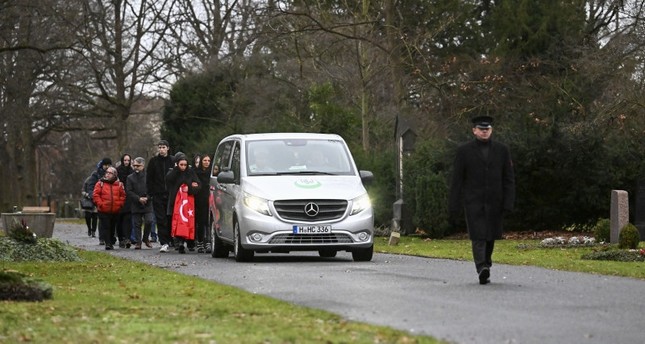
(158, 167)
(136, 190)
(483, 185)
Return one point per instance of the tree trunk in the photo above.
(365, 75)
(121, 128)
(393, 47)
(19, 172)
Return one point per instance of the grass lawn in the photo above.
(105, 299)
(515, 252)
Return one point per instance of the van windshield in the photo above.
(301, 156)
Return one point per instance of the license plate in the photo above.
(311, 229)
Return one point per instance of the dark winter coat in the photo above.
(201, 198)
(95, 176)
(123, 172)
(483, 188)
(174, 179)
(136, 188)
(156, 171)
(91, 180)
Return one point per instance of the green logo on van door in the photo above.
(307, 183)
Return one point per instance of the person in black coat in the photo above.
(203, 171)
(181, 174)
(91, 214)
(156, 171)
(124, 222)
(483, 186)
(140, 204)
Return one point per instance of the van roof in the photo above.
(273, 136)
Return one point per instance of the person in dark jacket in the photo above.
(91, 215)
(203, 171)
(483, 186)
(140, 204)
(156, 171)
(124, 223)
(180, 174)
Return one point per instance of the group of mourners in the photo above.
(137, 204)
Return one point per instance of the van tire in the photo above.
(218, 248)
(241, 254)
(363, 254)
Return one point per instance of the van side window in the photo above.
(235, 162)
(222, 157)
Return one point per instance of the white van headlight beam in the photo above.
(360, 203)
(257, 204)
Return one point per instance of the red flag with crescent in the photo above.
(183, 216)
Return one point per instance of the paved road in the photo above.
(436, 297)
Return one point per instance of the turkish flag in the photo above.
(183, 215)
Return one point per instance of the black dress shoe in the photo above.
(484, 275)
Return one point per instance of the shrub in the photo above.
(616, 255)
(601, 230)
(628, 237)
(44, 249)
(426, 187)
(18, 287)
(431, 213)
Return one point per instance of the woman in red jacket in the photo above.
(109, 197)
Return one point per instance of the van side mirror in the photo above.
(226, 177)
(366, 176)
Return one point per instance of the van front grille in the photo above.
(310, 239)
(296, 210)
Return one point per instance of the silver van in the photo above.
(283, 192)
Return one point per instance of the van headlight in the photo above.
(360, 203)
(258, 204)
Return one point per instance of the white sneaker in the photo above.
(164, 248)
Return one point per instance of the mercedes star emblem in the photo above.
(311, 209)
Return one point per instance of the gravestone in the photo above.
(639, 208)
(619, 214)
(40, 223)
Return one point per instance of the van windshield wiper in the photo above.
(305, 172)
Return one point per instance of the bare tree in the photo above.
(117, 43)
(345, 43)
(35, 42)
(201, 33)
(70, 66)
